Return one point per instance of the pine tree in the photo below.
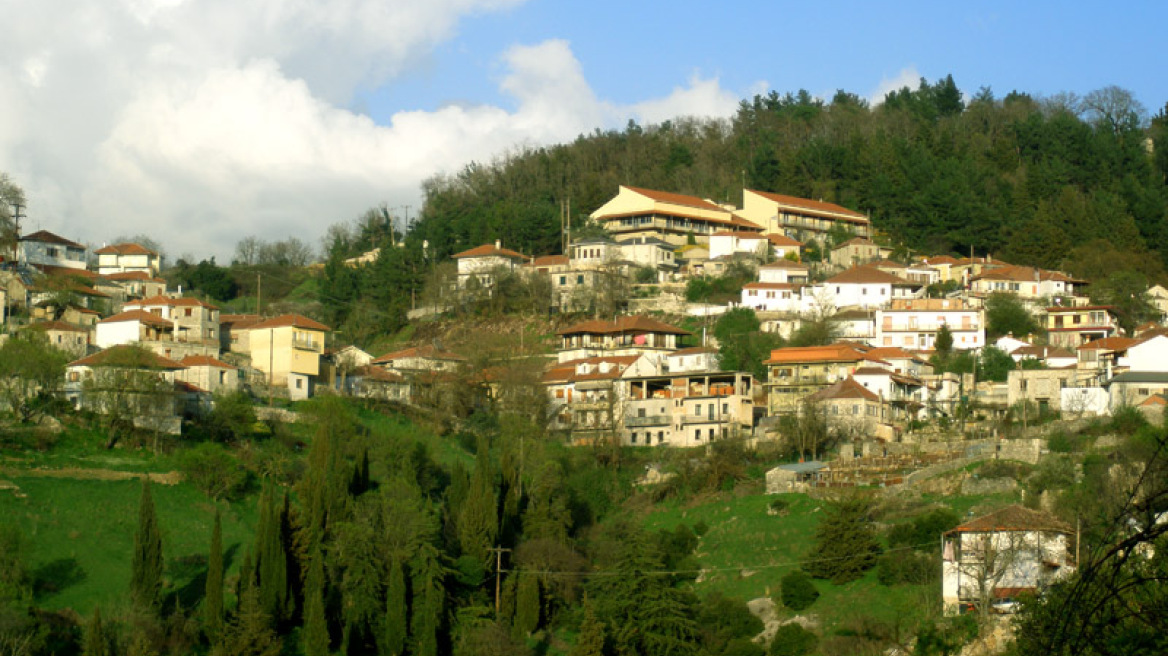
(213, 597)
(845, 543)
(96, 641)
(146, 566)
(394, 641)
(250, 633)
(316, 635)
(527, 604)
(590, 640)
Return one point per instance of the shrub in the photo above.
(214, 471)
(923, 531)
(793, 640)
(743, 647)
(1127, 420)
(779, 506)
(913, 568)
(727, 619)
(798, 591)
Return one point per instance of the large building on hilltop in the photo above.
(800, 218)
(674, 218)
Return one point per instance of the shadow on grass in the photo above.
(54, 577)
(190, 578)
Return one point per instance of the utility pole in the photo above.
(259, 294)
(498, 551)
(16, 217)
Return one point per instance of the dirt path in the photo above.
(163, 478)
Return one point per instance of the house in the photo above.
(233, 335)
(800, 217)
(1132, 388)
(134, 384)
(857, 251)
(120, 258)
(695, 358)
(673, 218)
(428, 358)
(763, 247)
(132, 326)
(1024, 282)
(855, 325)
(774, 297)
(626, 335)
(1104, 354)
(990, 561)
(687, 408)
(209, 374)
(851, 408)
(1149, 353)
(796, 372)
(914, 323)
(340, 365)
(480, 265)
(1044, 387)
(139, 284)
(71, 339)
(783, 271)
(920, 273)
(288, 349)
(866, 287)
(1158, 297)
(648, 252)
(586, 398)
(195, 321)
(1072, 327)
(1050, 356)
(45, 248)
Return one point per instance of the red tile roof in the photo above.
(1109, 344)
(427, 351)
(867, 275)
(46, 237)
(127, 356)
(1013, 518)
(677, 199)
(830, 353)
(205, 361)
(125, 249)
(490, 250)
(550, 260)
(847, 388)
(60, 326)
(166, 301)
(290, 321)
(140, 316)
(815, 206)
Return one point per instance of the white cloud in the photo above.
(907, 77)
(202, 122)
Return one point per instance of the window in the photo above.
(299, 383)
(580, 279)
(633, 438)
(187, 312)
(222, 377)
(660, 436)
(563, 280)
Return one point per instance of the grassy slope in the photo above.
(81, 536)
(746, 552)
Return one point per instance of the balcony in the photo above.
(306, 344)
(651, 420)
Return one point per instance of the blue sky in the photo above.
(200, 122)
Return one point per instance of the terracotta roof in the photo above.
(893, 353)
(490, 250)
(52, 270)
(125, 249)
(677, 199)
(290, 321)
(867, 275)
(623, 325)
(812, 205)
(847, 388)
(783, 240)
(565, 372)
(855, 241)
(184, 386)
(740, 222)
(60, 326)
(830, 353)
(1042, 352)
(425, 351)
(739, 234)
(1155, 400)
(167, 301)
(550, 260)
(1013, 518)
(1109, 344)
(380, 374)
(127, 356)
(205, 361)
(1022, 274)
(46, 237)
(140, 316)
(940, 259)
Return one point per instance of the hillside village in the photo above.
(876, 365)
(636, 377)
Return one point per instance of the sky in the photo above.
(200, 122)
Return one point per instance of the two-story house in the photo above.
(287, 349)
(120, 258)
(47, 249)
(195, 321)
(479, 265)
(857, 251)
(989, 562)
(796, 372)
(762, 246)
(626, 335)
(688, 408)
(135, 384)
(67, 337)
(670, 217)
(867, 287)
(1025, 282)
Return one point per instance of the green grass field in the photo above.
(80, 535)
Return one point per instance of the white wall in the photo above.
(120, 332)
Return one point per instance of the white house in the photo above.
(866, 287)
(914, 323)
(482, 262)
(784, 271)
(989, 561)
(773, 297)
(120, 258)
(730, 242)
(1149, 354)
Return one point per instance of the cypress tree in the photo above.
(271, 563)
(428, 601)
(590, 640)
(527, 604)
(251, 632)
(213, 597)
(96, 642)
(146, 566)
(479, 522)
(316, 635)
(395, 611)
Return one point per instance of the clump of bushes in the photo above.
(798, 591)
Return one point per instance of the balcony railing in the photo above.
(651, 420)
(305, 344)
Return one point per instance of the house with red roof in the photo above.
(626, 335)
(1025, 282)
(47, 249)
(852, 409)
(132, 383)
(671, 217)
(480, 266)
(765, 247)
(139, 284)
(857, 251)
(195, 321)
(120, 258)
(866, 287)
(287, 350)
(67, 337)
(1071, 327)
(800, 218)
(987, 563)
(797, 372)
(209, 374)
